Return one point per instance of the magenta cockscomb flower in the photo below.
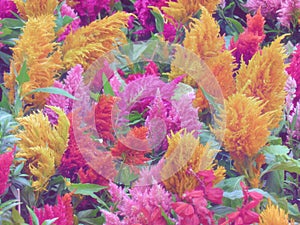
(144, 207)
(73, 26)
(289, 12)
(71, 84)
(5, 163)
(6, 7)
(293, 70)
(268, 7)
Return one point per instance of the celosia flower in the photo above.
(183, 10)
(5, 163)
(289, 12)
(88, 43)
(35, 8)
(184, 154)
(274, 215)
(268, 8)
(6, 7)
(249, 41)
(245, 215)
(83, 159)
(103, 117)
(71, 85)
(90, 9)
(144, 207)
(132, 148)
(293, 70)
(43, 60)
(63, 211)
(193, 211)
(264, 77)
(42, 145)
(73, 26)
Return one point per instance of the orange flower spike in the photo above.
(133, 147)
(264, 77)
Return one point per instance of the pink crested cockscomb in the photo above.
(145, 206)
(6, 8)
(268, 7)
(71, 84)
(5, 163)
(289, 12)
(293, 71)
(73, 26)
(249, 41)
(63, 211)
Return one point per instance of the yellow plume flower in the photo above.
(88, 43)
(275, 216)
(42, 56)
(182, 10)
(185, 153)
(246, 127)
(35, 8)
(264, 77)
(42, 145)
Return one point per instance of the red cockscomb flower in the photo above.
(5, 163)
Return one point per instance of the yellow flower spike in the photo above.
(42, 145)
(264, 77)
(43, 60)
(185, 153)
(35, 8)
(273, 215)
(182, 10)
(89, 43)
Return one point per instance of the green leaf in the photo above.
(23, 76)
(236, 24)
(211, 100)
(18, 169)
(274, 140)
(126, 176)
(34, 218)
(16, 217)
(86, 189)
(106, 86)
(5, 57)
(159, 21)
(168, 220)
(4, 101)
(231, 184)
(221, 210)
(53, 90)
(12, 23)
(283, 162)
(271, 151)
(49, 222)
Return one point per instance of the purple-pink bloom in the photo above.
(71, 84)
(73, 26)
(6, 7)
(268, 7)
(289, 12)
(143, 207)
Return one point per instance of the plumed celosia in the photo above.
(73, 26)
(42, 145)
(246, 214)
(274, 215)
(144, 207)
(43, 60)
(63, 211)
(5, 163)
(182, 10)
(264, 77)
(293, 70)
(35, 8)
(131, 149)
(185, 153)
(70, 84)
(249, 41)
(6, 7)
(88, 43)
(289, 12)
(268, 8)
(90, 9)
(83, 160)
(246, 131)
